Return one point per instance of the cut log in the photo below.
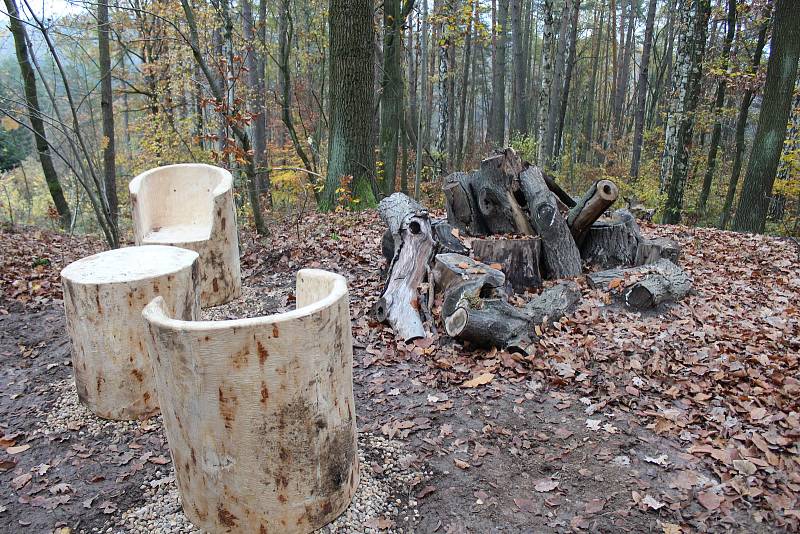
(400, 302)
(612, 242)
(560, 255)
(450, 269)
(652, 250)
(470, 311)
(446, 240)
(645, 286)
(554, 303)
(462, 205)
(519, 259)
(591, 206)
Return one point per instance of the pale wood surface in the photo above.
(259, 413)
(191, 206)
(104, 296)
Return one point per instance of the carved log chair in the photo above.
(191, 206)
(259, 413)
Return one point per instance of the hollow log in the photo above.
(645, 286)
(600, 196)
(443, 235)
(400, 301)
(560, 255)
(553, 303)
(652, 250)
(612, 242)
(519, 258)
(462, 205)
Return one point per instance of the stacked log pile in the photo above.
(524, 229)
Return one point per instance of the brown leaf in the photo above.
(480, 380)
(20, 481)
(710, 500)
(526, 505)
(545, 485)
(18, 449)
(461, 464)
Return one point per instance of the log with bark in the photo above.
(553, 303)
(449, 269)
(413, 246)
(462, 205)
(600, 196)
(645, 286)
(611, 242)
(519, 258)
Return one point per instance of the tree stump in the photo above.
(104, 296)
(412, 234)
(612, 242)
(519, 257)
(259, 413)
(652, 250)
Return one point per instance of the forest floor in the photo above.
(680, 420)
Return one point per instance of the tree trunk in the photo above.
(641, 91)
(23, 53)
(573, 35)
(547, 75)
(645, 286)
(462, 113)
(351, 90)
(686, 89)
(612, 242)
(519, 124)
(107, 107)
(497, 111)
(556, 88)
(445, 102)
(719, 101)
(751, 213)
(254, 62)
(588, 125)
(392, 87)
(741, 124)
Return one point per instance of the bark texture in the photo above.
(612, 242)
(519, 258)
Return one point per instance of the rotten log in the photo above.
(645, 286)
(652, 250)
(410, 228)
(443, 235)
(611, 242)
(519, 258)
(553, 303)
(592, 205)
(560, 255)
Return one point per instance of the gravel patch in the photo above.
(383, 502)
(253, 302)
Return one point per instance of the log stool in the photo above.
(259, 413)
(104, 296)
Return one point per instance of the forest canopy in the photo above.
(691, 106)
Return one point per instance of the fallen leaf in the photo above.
(545, 485)
(479, 380)
(18, 449)
(19, 482)
(526, 505)
(710, 500)
(461, 464)
(652, 502)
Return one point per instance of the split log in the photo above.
(600, 196)
(652, 250)
(411, 230)
(612, 242)
(497, 202)
(443, 235)
(462, 205)
(519, 257)
(553, 303)
(472, 311)
(450, 269)
(645, 286)
(560, 254)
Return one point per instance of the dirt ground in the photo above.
(539, 448)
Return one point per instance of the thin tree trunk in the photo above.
(497, 113)
(556, 87)
(35, 115)
(547, 75)
(741, 124)
(588, 124)
(423, 91)
(751, 213)
(641, 91)
(107, 107)
(719, 101)
(465, 86)
(686, 92)
(519, 124)
(573, 35)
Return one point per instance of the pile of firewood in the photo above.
(521, 228)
